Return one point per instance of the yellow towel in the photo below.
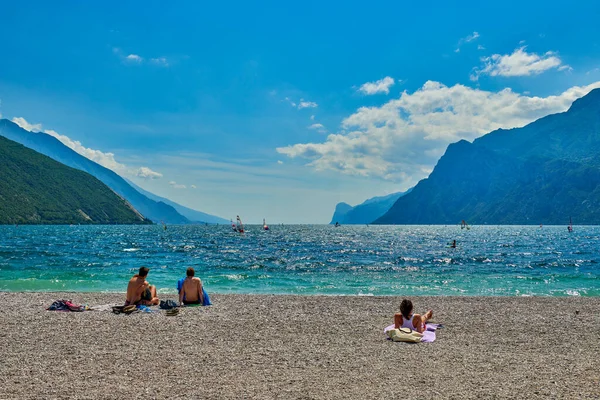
(404, 335)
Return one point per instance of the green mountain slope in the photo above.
(34, 189)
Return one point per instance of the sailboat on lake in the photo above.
(265, 226)
(239, 225)
(570, 227)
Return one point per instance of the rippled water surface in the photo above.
(350, 260)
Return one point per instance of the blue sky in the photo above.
(279, 111)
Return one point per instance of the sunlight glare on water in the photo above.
(307, 259)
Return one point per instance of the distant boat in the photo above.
(570, 227)
(239, 226)
(337, 224)
(265, 226)
(464, 225)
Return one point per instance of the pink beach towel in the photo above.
(428, 335)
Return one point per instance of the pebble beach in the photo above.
(299, 347)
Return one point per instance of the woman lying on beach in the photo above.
(406, 319)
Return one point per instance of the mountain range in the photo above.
(366, 212)
(542, 173)
(50, 146)
(192, 215)
(35, 189)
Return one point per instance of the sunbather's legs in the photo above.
(154, 301)
(428, 315)
(419, 321)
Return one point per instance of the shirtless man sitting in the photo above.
(191, 290)
(139, 291)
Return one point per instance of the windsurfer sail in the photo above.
(265, 226)
(464, 225)
(239, 225)
(570, 227)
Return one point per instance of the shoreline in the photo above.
(273, 346)
(173, 293)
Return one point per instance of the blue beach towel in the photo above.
(206, 298)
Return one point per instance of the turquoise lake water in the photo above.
(305, 259)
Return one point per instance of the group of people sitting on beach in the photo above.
(140, 292)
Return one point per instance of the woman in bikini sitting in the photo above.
(406, 319)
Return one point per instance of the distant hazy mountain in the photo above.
(192, 215)
(35, 189)
(366, 212)
(340, 210)
(544, 172)
(53, 148)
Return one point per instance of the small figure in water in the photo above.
(453, 245)
(337, 224)
(406, 319)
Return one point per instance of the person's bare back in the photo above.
(191, 290)
(139, 291)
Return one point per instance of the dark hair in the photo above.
(190, 271)
(143, 271)
(406, 308)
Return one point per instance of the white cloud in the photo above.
(306, 104)
(480, 47)
(26, 125)
(312, 117)
(301, 104)
(160, 61)
(107, 160)
(137, 59)
(519, 63)
(318, 127)
(565, 68)
(147, 173)
(466, 39)
(176, 185)
(279, 162)
(193, 186)
(380, 86)
(134, 58)
(403, 139)
(471, 37)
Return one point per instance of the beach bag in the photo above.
(168, 304)
(404, 335)
(58, 305)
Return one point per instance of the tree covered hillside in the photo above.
(34, 189)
